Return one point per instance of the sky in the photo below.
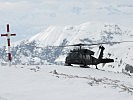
(29, 17)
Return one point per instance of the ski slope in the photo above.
(52, 82)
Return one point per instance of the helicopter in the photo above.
(84, 57)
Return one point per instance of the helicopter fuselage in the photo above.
(84, 57)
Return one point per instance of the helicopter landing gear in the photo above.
(67, 64)
(84, 66)
(96, 67)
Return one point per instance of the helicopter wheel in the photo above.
(96, 67)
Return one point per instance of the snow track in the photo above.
(100, 81)
(52, 82)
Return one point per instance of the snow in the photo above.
(74, 34)
(52, 82)
(54, 35)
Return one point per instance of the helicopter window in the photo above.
(87, 56)
(83, 56)
(74, 54)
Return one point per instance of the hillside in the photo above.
(86, 33)
(52, 82)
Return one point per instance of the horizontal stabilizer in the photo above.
(107, 60)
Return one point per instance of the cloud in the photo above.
(13, 5)
(31, 16)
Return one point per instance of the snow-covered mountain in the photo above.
(86, 32)
(43, 47)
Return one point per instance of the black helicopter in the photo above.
(84, 57)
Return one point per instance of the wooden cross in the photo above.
(8, 41)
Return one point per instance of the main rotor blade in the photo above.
(80, 44)
(57, 46)
(106, 43)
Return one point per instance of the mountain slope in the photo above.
(54, 35)
(40, 49)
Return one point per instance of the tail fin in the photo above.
(101, 52)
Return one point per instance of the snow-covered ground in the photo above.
(52, 82)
